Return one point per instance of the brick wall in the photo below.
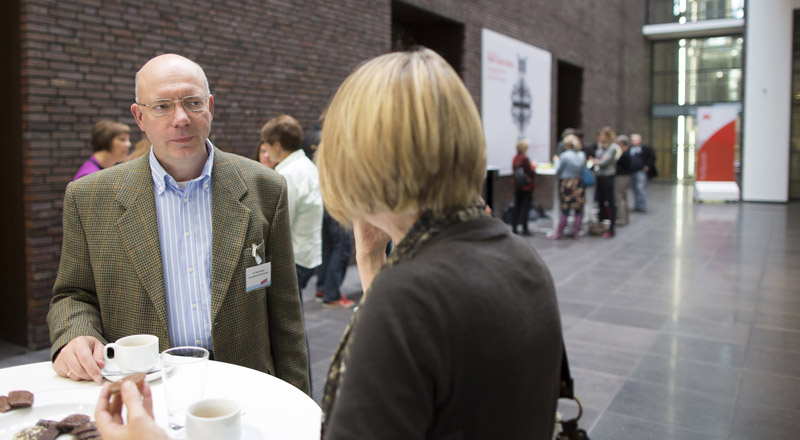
(262, 59)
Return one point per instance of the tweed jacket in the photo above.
(110, 281)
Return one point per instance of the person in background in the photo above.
(110, 142)
(561, 146)
(139, 239)
(262, 156)
(569, 169)
(643, 166)
(605, 164)
(622, 181)
(140, 149)
(523, 193)
(337, 247)
(281, 136)
(311, 141)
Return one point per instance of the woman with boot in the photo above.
(605, 163)
(571, 190)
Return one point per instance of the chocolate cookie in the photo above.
(72, 421)
(86, 427)
(20, 399)
(88, 435)
(33, 433)
(4, 406)
(137, 378)
(50, 433)
(47, 423)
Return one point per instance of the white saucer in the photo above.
(114, 374)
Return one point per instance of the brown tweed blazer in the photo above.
(110, 281)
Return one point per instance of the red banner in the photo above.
(716, 132)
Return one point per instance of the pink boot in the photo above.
(559, 232)
(576, 226)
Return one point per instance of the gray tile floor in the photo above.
(686, 325)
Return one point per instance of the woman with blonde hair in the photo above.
(569, 169)
(605, 164)
(403, 157)
(458, 332)
(523, 172)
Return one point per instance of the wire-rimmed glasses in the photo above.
(163, 107)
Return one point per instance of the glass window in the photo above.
(688, 11)
(697, 71)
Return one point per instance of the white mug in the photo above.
(214, 419)
(134, 354)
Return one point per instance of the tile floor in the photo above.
(686, 325)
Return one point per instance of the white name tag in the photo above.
(258, 277)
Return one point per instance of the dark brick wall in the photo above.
(264, 58)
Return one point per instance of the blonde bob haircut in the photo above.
(522, 145)
(572, 142)
(401, 135)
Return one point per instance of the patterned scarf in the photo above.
(424, 229)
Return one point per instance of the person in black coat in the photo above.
(643, 166)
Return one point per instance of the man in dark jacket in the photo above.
(643, 160)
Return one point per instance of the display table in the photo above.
(271, 408)
(550, 172)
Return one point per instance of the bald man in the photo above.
(187, 243)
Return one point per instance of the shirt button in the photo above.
(205, 185)
(191, 269)
(197, 342)
(186, 234)
(194, 306)
(185, 200)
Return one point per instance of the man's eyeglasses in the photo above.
(163, 107)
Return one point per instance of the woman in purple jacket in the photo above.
(110, 142)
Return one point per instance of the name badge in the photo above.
(259, 276)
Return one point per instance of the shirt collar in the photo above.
(162, 179)
(296, 154)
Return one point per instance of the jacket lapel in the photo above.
(230, 219)
(138, 227)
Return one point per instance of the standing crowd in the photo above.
(602, 174)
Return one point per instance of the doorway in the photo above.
(413, 26)
(570, 97)
(13, 313)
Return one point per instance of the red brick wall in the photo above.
(262, 59)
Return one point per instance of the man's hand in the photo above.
(141, 425)
(81, 359)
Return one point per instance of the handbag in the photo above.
(588, 177)
(569, 428)
(520, 178)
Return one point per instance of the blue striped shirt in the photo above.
(184, 230)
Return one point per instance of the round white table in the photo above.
(271, 408)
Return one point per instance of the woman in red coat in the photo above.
(522, 177)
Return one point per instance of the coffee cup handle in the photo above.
(112, 346)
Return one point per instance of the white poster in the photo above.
(515, 99)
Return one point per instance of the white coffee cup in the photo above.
(214, 419)
(134, 354)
